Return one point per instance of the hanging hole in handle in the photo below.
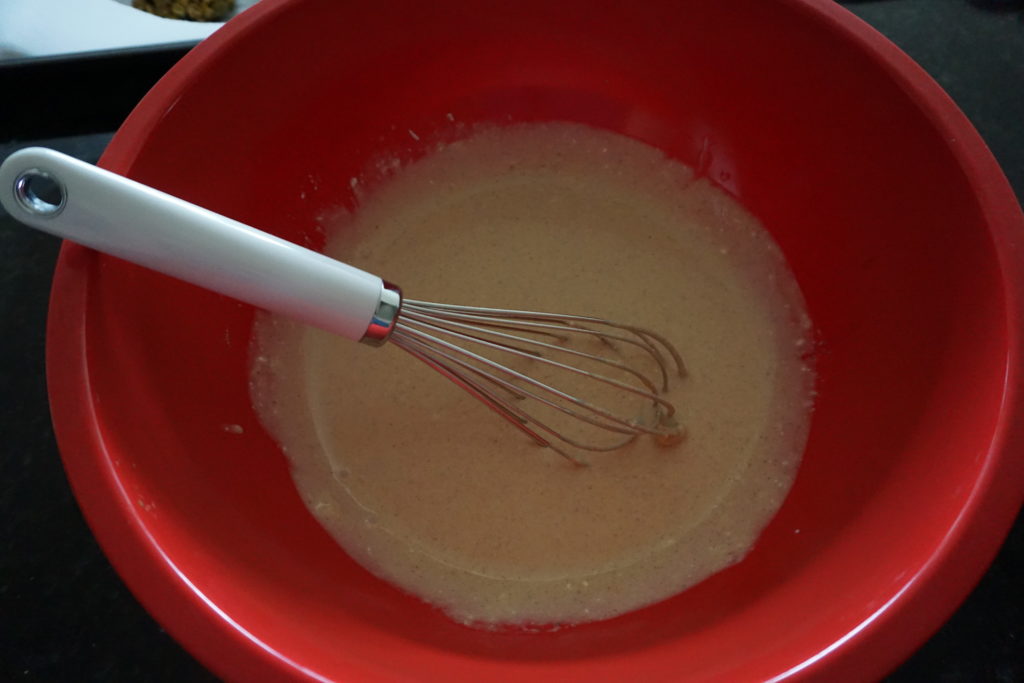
(40, 193)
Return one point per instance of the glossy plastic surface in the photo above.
(123, 218)
(897, 221)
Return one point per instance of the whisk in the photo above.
(602, 365)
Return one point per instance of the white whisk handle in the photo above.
(121, 217)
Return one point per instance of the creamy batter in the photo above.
(428, 489)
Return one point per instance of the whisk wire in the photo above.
(433, 320)
(520, 418)
(612, 423)
(481, 393)
(650, 395)
(437, 334)
(561, 332)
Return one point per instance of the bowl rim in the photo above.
(876, 645)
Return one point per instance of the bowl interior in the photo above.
(777, 104)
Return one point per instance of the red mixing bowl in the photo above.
(899, 225)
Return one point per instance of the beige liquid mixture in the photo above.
(428, 489)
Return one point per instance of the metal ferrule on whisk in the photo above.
(382, 324)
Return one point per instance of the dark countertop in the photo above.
(64, 613)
